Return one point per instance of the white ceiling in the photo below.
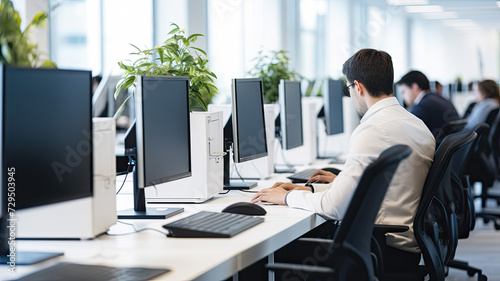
(483, 14)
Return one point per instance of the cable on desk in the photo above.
(225, 192)
(131, 163)
(280, 147)
(238, 172)
(135, 230)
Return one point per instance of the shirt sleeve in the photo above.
(333, 202)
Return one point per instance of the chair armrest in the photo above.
(315, 240)
(304, 271)
(379, 229)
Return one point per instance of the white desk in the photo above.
(187, 258)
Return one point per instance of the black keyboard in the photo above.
(84, 272)
(211, 225)
(302, 176)
(305, 175)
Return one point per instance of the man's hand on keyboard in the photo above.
(322, 176)
(290, 186)
(272, 195)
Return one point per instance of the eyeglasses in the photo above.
(346, 90)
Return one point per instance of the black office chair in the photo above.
(487, 181)
(431, 231)
(463, 196)
(450, 128)
(349, 255)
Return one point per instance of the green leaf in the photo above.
(135, 47)
(129, 81)
(193, 37)
(174, 30)
(160, 53)
(119, 111)
(199, 50)
(49, 64)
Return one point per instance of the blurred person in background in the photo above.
(430, 107)
(487, 96)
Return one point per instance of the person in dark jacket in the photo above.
(433, 109)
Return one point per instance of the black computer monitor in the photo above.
(289, 128)
(159, 140)
(46, 140)
(332, 111)
(288, 123)
(245, 130)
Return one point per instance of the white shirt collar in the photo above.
(381, 104)
(419, 98)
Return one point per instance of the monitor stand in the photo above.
(17, 257)
(239, 185)
(228, 184)
(288, 170)
(140, 211)
(28, 258)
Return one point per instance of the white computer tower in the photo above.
(83, 218)
(261, 168)
(207, 164)
(307, 153)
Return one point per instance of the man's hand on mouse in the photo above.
(274, 195)
(322, 176)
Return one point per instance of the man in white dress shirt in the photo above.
(385, 123)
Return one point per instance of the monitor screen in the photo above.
(47, 134)
(291, 114)
(249, 131)
(163, 129)
(334, 115)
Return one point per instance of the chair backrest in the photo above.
(351, 247)
(450, 128)
(426, 229)
(466, 213)
(494, 140)
(449, 201)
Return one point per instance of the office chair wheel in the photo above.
(482, 277)
(485, 220)
(497, 225)
(472, 273)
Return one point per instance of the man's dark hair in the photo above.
(373, 69)
(415, 76)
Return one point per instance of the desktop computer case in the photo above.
(207, 164)
(261, 168)
(87, 217)
(308, 152)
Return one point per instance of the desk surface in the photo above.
(187, 258)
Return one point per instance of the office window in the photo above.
(313, 21)
(166, 12)
(237, 30)
(125, 22)
(75, 34)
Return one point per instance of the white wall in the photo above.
(444, 53)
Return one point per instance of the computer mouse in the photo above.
(245, 208)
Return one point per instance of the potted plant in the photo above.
(175, 57)
(272, 68)
(15, 48)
